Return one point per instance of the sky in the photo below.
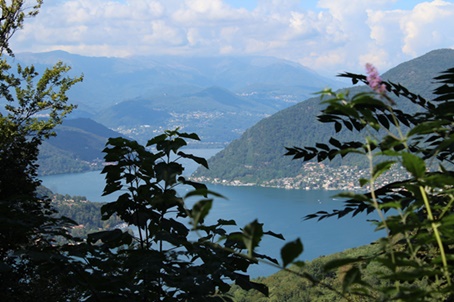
(327, 36)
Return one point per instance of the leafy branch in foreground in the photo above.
(31, 263)
(165, 258)
(416, 212)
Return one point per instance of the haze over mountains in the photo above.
(139, 97)
(217, 97)
(258, 156)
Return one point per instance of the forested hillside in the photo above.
(258, 156)
(76, 148)
(289, 287)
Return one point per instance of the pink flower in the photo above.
(374, 79)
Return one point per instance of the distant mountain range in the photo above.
(258, 155)
(217, 97)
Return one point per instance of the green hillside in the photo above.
(76, 148)
(258, 155)
(289, 287)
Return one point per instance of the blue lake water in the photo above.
(281, 211)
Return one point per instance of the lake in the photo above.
(281, 211)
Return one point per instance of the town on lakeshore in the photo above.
(318, 176)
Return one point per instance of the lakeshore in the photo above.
(318, 176)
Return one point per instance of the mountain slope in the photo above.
(77, 147)
(142, 95)
(110, 80)
(258, 155)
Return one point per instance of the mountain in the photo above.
(257, 156)
(141, 95)
(77, 147)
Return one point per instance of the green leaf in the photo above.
(200, 210)
(414, 164)
(425, 128)
(363, 182)
(299, 263)
(382, 167)
(352, 276)
(336, 263)
(252, 235)
(291, 251)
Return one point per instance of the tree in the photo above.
(417, 213)
(33, 106)
(162, 260)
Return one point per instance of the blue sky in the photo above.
(312, 4)
(328, 36)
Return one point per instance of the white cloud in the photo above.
(428, 25)
(332, 37)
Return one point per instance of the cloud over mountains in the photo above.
(325, 35)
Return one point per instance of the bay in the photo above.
(282, 211)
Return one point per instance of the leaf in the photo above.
(291, 251)
(112, 187)
(246, 284)
(112, 238)
(363, 181)
(195, 185)
(382, 167)
(383, 120)
(202, 192)
(348, 125)
(414, 164)
(226, 222)
(352, 276)
(252, 235)
(279, 236)
(193, 136)
(157, 139)
(322, 146)
(200, 210)
(335, 142)
(200, 160)
(336, 263)
(168, 172)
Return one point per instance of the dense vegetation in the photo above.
(40, 259)
(31, 265)
(258, 155)
(172, 254)
(77, 147)
(286, 286)
(86, 213)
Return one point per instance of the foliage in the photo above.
(163, 260)
(77, 147)
(257, 156)
(416, 212)
(86, 213)
(286, 286)
(28, 258)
